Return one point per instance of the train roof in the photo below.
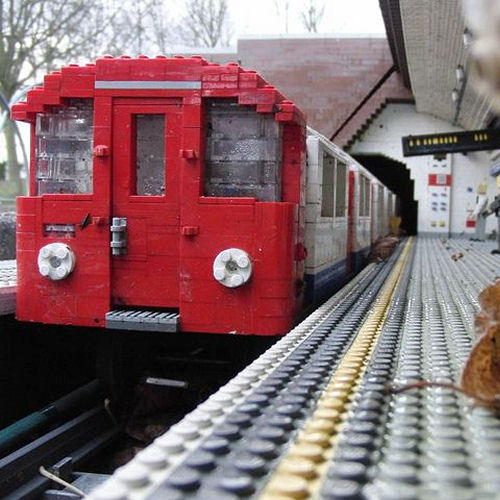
(341, 154)
(191, 78)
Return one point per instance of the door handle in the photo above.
(118, 241)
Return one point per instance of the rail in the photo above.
(80, 438)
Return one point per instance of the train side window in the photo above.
(380, 211)
(150, 155)
(340, 190)
(368, 185)
(63, 149)
(362, 195)
(327, 191)
(243, 152)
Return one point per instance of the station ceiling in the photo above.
(427, 44)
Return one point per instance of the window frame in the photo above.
(33, 177)
(134, 180)
(345, 168)
(327, 208)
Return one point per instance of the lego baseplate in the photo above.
(312, 417)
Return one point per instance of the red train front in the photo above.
(164, 194)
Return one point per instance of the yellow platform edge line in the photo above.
(302, 469)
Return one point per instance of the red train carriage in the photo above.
(164, 194)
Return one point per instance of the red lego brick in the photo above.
(189, 154)
(190, 230)
(250, 80)
(192, 115)
(20, 111)
(101, 151)
(439, 180)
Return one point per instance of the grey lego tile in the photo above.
(427, 439)
(142, 320)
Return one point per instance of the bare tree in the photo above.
(35, 35)
(163, 35)
(311, 16)
(283, 9)
(142, 27)
(206, 23)
(38, 35)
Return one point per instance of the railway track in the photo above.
(229, 445)
(312, 417)
(65, 448)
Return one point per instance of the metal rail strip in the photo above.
(80, 438)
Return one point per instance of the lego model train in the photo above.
(174, 194)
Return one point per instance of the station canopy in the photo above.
(427, 43)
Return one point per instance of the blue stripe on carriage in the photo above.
(322, 285)
(360, 259)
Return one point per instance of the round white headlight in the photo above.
(56, 261)
(232, 267)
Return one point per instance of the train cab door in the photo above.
(145, 203)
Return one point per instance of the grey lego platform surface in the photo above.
(311, 418)
(8, 282)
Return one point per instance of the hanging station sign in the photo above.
(453, 142)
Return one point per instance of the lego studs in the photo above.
(232, 267)
(56, 261)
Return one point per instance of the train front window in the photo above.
(63, 149)
(150, 155)
(243, 152)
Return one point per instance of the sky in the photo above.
(257, 17)
(260, 17)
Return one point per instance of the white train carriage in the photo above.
(378, 206)
(383, 208)
(347, 210)
(326, 217)
(393, 208)
(361, 214)
(386, 228)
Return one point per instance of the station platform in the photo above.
(8, 282)
(312, 417)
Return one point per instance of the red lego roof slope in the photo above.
(124, 76)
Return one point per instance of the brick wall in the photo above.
(326, 77)
(392, 90)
